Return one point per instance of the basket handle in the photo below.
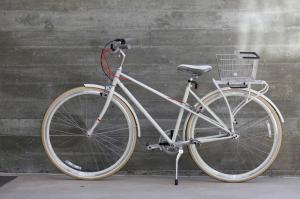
(256, 56)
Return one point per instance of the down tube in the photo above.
(148, 116)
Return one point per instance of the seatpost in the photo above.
(192, 81)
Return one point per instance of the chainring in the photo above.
(168, 149)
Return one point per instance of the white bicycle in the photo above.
(233, 133)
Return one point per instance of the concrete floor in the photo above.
(39, 186)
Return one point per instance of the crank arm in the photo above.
(151, 147)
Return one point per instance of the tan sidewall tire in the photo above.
(44, 133)
(195, 154)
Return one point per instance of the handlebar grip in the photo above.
(113, 47)
(121, 40)
(256, 56)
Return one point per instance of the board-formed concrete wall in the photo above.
(49, 46)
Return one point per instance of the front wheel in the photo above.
(78, 154)
(259, 135)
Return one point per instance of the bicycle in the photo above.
(90, 132)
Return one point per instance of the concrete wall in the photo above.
(49, 46)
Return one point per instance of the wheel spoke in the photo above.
(110, 131)
(107, 147)
(254, 122)
(68, 125)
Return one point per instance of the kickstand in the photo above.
(180, 152)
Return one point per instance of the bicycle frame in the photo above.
(184, 106)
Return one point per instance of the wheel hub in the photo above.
(236, 136)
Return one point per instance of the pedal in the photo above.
(151, 147)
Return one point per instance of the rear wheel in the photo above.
(72, 150)
(239, 159)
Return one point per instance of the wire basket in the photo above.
(240, 67)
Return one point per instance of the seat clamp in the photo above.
(193, 82)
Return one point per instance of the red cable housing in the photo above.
(105, 66)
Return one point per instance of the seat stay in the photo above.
(227, 104)
(211, 112)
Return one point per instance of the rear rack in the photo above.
(239, 70)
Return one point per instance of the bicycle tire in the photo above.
(82, 156)
(217, 161)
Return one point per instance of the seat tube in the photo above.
(179, 118)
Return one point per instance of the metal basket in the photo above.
(240, 67)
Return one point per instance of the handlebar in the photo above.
(117, 44)
(113, 46)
